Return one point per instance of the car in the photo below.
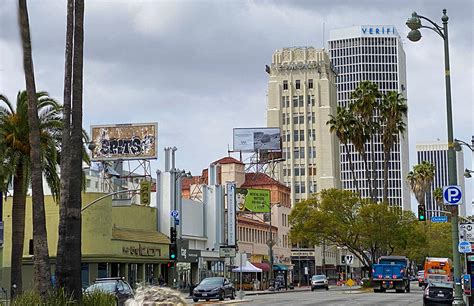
(421, 278)
(437, 293)
(214, 288)
(114, 285)
(319, 281)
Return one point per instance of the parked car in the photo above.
(214, 288)
(114, 285)
(319, 281)
(438, 293)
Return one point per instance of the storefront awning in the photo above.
(278, 267)
(139, 235)
(262, 265)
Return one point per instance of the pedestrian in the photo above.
(161, 280)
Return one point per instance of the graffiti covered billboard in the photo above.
(124, 141)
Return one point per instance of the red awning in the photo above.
(262, 265)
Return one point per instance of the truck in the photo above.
(437, 270)
(391, 272)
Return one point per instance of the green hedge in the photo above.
(60, 298)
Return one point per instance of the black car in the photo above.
(114, 285)
(319, 281)
(438, 293)
(214, 288)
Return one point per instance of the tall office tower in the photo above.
(437, 154)
(372, 53)
(301, 95)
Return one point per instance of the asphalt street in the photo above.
(334, 297)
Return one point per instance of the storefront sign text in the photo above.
(141, 250)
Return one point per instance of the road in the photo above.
(336, 297)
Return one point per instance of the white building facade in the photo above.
(372, 53)
(437, 154)
(301, 95)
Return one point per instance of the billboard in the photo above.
(257, 139)
(124, 141)
(252, 200)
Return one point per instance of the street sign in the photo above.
(465, 247)
(466, 232)
(439, 219)
(452, 195)
(174, 214)
(350, 282)
(349, 259)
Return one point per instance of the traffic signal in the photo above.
(173, 234)
(421, 213)
(173, 251)
(170, 264)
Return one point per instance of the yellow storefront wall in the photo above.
(109, 234)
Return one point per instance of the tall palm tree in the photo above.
(420, 179)
(342, 124)
(15, 150)
(393, 112)
(70, 247)
(364, 105)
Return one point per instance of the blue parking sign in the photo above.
(452, 195)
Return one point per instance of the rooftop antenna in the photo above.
(324, 45)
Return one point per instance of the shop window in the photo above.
(102, 270)
(85, 275)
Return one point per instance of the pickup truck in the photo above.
(391, 273)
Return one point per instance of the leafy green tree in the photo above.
(342, 125)
(364, 105)
(15, 150)
(343, 219)
(393, 112)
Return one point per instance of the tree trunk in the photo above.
(375, 184)
(75, 198)
(386, 152)
(351, 165)
(367, 172)
(18, 230)
(63, 272)
(42, 269)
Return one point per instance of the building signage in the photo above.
(302, 254)
(298, 65)
(378, 30)
(124, 141)
(226, 251)
(257, 139)
(185, 254)
(253, 200)
(231, 222)
(141, 250)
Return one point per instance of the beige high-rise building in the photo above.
(301, 95)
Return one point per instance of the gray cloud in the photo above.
(196, 67)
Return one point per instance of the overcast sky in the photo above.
(197, 67)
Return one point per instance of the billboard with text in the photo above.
(257, 139)
(252, 200)
(124, 141)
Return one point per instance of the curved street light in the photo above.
(414, 23)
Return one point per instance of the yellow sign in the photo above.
(350, 282)
(145, 190)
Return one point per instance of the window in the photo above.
(285, 85)
(301, 101)
(295, 101)
(295, 135)
(310, 83)
(296, 153)
(297, 84)
(88, 183)
(301, 135)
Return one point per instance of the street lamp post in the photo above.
(414, 23)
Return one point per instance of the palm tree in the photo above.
(342, 124)
(69, 247)
(420, 179)
(393, 111)
(364, 105)
(15, 149)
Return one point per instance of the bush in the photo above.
(366, 283)
(60, 298)
(98, 298)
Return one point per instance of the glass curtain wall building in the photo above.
(372, 53)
